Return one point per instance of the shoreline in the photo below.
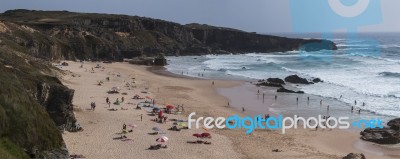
(230, 94)
(197, 95)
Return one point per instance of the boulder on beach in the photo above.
(296, 79)
(354, 156)
(387, 135)
(288, 91)
(394, 124)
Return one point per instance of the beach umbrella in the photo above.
(205, 135)
(162, 139)
(182, 124)
(156, 129)
(170, 107)
(197, 135)
(132, 125)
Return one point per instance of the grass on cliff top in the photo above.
(24, 123)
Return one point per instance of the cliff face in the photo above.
(66, 35)
(33, 104)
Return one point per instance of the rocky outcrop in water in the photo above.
(271, 82)
(387, 135)
(284, 90)
(276, 80)
(59, 35)
(296, 79)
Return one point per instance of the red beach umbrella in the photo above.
(206, 135)
(170, 107)
(197, 135)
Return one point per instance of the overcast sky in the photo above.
(265, 16)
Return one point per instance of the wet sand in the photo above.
(330, 141)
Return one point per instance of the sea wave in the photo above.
(390, 74)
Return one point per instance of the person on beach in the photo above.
(122, 99)
(124, 126)
(107, 100)
(242, 109)
(228, 104)
(94, 105)
(327, 108)
(212, 82)
(308, 99)
(141, 117)
(363, 104)
(352, 109)
(165, 119)
(276, 97)
(297, 99)
(320, 102)
(258, 91)
(355, 102)
(359, 111)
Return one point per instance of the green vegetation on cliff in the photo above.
(24, 123)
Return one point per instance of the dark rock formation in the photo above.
(317, 80)
(33, 102)
(354, 156)
(142, 61)
(383, 135)
(394, 124)
(288, 91)
(269, 84)
(276, 80)
(57, 100)
(59, 35)
(296, 79)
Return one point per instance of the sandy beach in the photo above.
(197, 95)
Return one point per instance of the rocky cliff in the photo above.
(65, 35)
(34, 105)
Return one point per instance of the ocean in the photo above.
(365, 68)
